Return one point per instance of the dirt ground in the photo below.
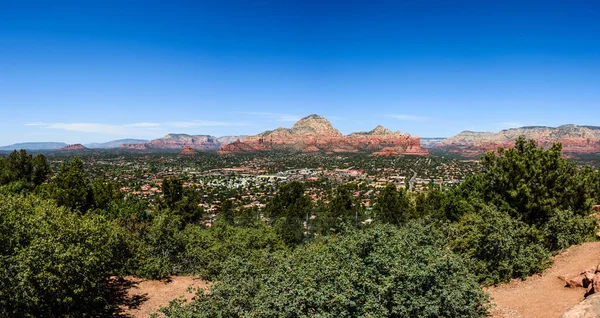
(142, 297)
(544, 295)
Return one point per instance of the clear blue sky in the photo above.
(86, 71)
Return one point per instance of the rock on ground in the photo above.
(589, 308)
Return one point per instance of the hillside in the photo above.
(315, 133)
(575, 140)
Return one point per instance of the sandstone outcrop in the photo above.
(73, 147)
(315, 133)
(575, 140)
(188, 151)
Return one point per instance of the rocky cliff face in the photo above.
(575, 139)
(179, 141)
(315, 133)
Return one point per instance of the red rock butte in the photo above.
(72, 147)
(315, 133)
(188, 151)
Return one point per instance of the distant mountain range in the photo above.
(59, 145)
(34, 146)
(576, 140)
(315, 133)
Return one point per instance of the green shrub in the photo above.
(564, 229)
(166, 249)
(497, 246)
(207, 249)
(378, 272)
(54, 262)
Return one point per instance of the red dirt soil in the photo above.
(545, 295)
(150, 295)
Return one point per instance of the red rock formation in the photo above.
(178, 141)
(73, 147)
(188, 151)
(314, 133)
(575, 140)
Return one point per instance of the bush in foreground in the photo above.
(379, 272)
(54, 262)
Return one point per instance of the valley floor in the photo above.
(544, 295)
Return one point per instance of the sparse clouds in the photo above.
(133, 129)
(35, 124)
(406, 117)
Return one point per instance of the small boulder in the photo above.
(573, 281)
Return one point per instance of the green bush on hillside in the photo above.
(379, 272)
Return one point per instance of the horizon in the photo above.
(345, 134)
(97, 72)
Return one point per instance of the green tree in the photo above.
(343, 209)
(41, 169)
(172, 189)
(18, 166)
(392, 206)
(531, 182)
(103, 193)
(429, 203)
(70, 186)
(287, 210)
(226, 212)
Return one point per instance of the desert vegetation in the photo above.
(65, 230)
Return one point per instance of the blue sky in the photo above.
(86, 71)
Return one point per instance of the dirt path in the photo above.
(544, 295)
(145, 297)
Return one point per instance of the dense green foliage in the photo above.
(287, 211)
(342, 211)
(23, 171)
(54, 262)
(392, 206)
(379, 272)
